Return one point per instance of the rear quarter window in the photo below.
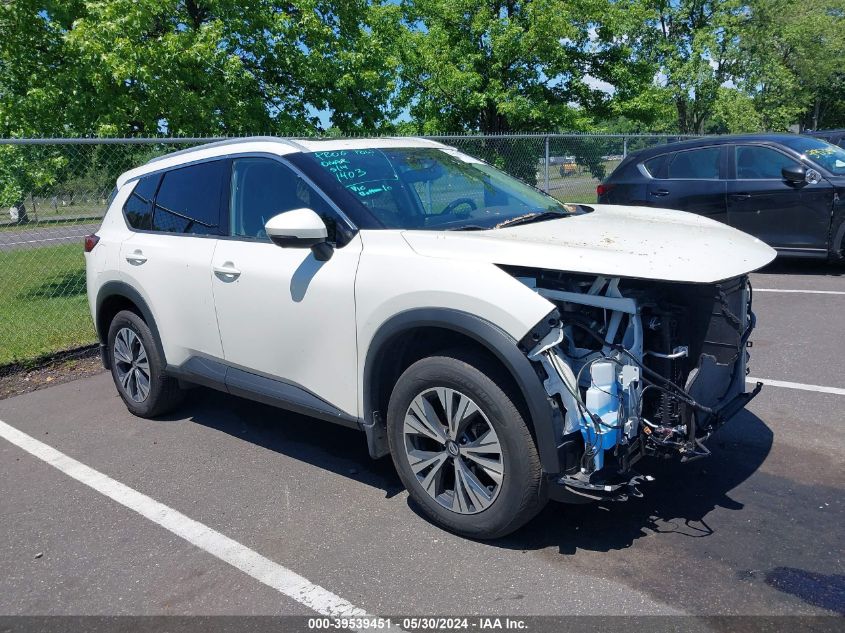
(656, 167)
(138, 209)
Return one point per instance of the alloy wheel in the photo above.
(131, 364)
(453, 450)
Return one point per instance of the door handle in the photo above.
(740, 196)
(227, 272)
(136, 257)
(659, 192)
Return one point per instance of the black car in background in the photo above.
(787, 190)
(834, 137)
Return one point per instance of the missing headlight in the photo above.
(640, 367)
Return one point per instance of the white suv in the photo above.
(503, 347)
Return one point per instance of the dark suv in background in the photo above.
(834, 137)
(787, 190)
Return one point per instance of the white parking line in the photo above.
(230, 551)
(802, 292)
(797, 385)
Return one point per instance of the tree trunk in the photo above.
(683, 114)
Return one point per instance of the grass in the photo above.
(581, 190)
(574, 199)
(45, 211)
(43, 306)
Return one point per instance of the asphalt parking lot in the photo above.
(756, 529)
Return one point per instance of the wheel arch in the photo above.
(113, 297)
(404, 337)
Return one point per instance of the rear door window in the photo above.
(696, 164)
(189, 199)
(138, 208)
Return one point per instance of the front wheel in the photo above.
(836, 255)
(462, 447)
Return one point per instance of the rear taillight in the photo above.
(91, 242)
(603, 189)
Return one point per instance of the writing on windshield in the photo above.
(365, 172)
(431, 188)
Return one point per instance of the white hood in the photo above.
(638, 242)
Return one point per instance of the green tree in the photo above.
(734, 112)
(130, 67)
(38, 75)
(622, 55)
(494, 66)
(794, 62)
(184, 67)
(691, 50)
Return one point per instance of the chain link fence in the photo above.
(53, 192)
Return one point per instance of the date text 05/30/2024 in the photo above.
(418, 624)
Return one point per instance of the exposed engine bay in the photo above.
(637, 368)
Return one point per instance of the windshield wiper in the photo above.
(530, 217)
(469, 227)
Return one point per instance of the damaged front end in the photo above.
(637, 368)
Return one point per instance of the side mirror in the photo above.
(300, 228)
(794, 173)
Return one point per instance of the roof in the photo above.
(268, 145)
(825, 133)
(710, 141)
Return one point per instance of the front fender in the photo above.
(504, 347)
(397, 289)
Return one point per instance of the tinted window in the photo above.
(139, 206)
(656, 166)
(262, 188)
(696, 164)
(188, 200)
(754, 162)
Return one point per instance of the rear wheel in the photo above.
(138, 369)
(462, 447)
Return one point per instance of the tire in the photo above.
(837, 244)
(143, 385)
(435, 471)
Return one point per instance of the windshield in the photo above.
(831, 157)
(427, 188)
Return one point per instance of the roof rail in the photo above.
(231, 141)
